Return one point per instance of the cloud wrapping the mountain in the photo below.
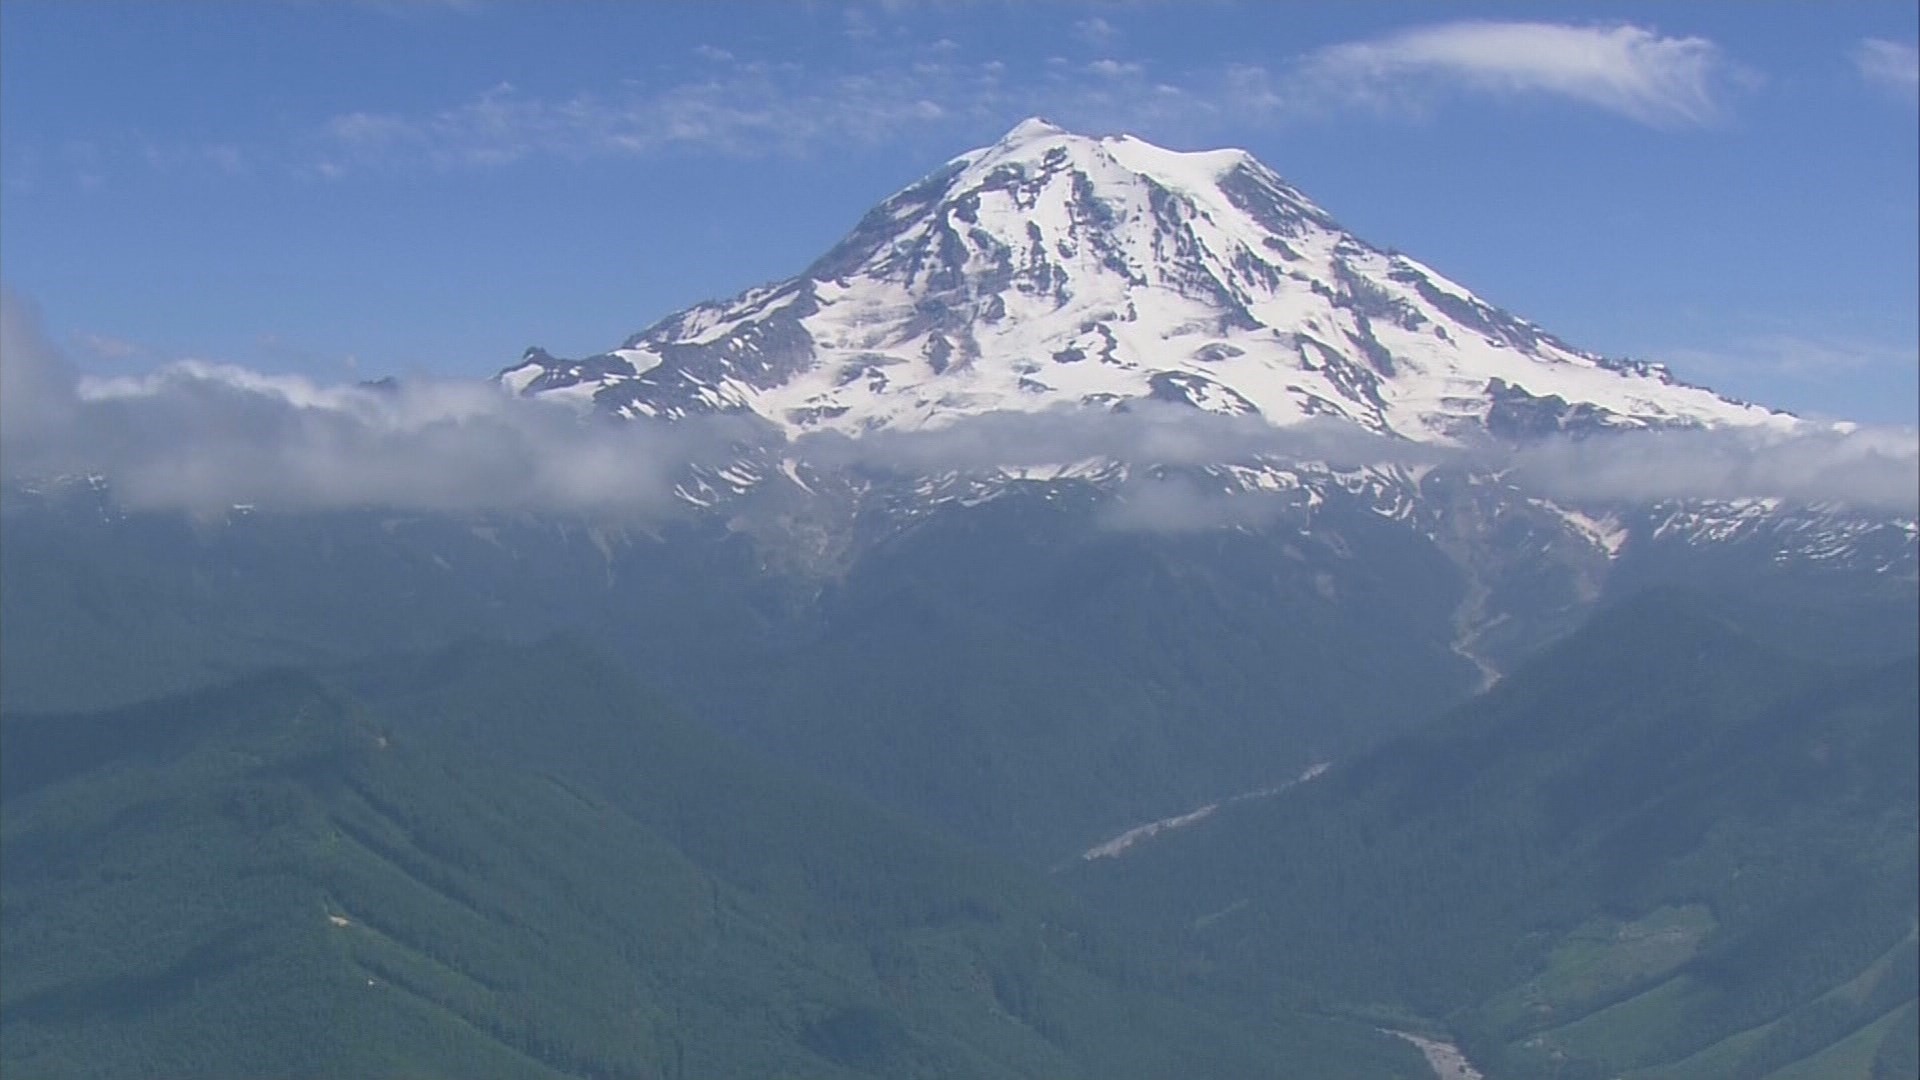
(36, 384)
(1145, 432)
(1862, 467)
(1177, 505)
(1866, 467)
(1873, 470)
(202, 437)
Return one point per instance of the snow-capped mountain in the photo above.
(1053, 269)
(873, 585)
(1055, 273)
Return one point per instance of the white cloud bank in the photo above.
(1862, 467)
(202, 437)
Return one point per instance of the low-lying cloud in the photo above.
(203, 437)
(1861, 467)
(1174, 504)
(1144, 432)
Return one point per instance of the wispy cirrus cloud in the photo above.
(1624, 69)
(749, 110)
(755, 108)
(1794, 356)
(1890, 66)
(1096, 31)
(108, 348)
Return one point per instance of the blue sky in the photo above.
(407, 186)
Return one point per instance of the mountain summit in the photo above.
(1053, 269)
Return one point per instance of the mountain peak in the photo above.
(1033, 127)
(1039, 139)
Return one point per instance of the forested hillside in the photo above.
(503, 862)
(1660, 850)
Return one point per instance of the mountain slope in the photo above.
(1064, 309)
(1658, 850)
(1020, 671)
(1017, 674)
(517, 867)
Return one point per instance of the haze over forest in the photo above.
(986, 541)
